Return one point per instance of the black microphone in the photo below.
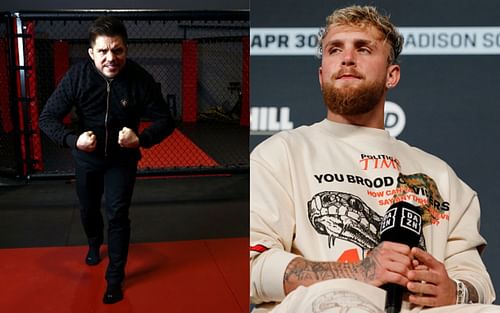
(402, 223)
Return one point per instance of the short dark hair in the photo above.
(107, 26)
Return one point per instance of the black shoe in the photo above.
(93, 256)
(113, 294)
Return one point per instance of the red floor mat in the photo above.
(184, 276)
(175, 151)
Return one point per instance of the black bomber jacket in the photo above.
(105, 106)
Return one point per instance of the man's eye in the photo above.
(333, 50)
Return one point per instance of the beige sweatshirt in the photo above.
(320, 192)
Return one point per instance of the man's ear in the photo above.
(91, 54)
(393, 75)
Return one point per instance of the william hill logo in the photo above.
(269, 120)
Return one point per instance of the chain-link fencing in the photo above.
(198, 58)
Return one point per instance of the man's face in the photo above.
(354, 72)
(109, 55)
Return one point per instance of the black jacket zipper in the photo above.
(108, 90)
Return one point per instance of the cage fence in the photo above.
(9, 132)
(197, 58)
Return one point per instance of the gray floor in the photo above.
(45, 213)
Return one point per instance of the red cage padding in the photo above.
(245, 90)
(35, 141)
(189, 80)
(5, 116)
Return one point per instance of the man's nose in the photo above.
(110, 56)
(348, 57)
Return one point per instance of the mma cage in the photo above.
(200, 59)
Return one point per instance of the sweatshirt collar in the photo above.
(341, 130)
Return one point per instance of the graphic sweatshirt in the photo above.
(321, 191)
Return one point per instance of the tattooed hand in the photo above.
(387, 263)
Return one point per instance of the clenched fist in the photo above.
(86, 141)
(127, 138)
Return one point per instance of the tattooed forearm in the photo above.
(368, 266)
(301, 272)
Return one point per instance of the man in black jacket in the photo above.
(110, 95)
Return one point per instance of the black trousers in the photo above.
(115, 179)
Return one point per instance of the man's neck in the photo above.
(373, 119)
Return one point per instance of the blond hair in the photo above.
(365, 16)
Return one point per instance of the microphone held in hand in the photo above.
(402, 223)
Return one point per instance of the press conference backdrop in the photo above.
(446, 103)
